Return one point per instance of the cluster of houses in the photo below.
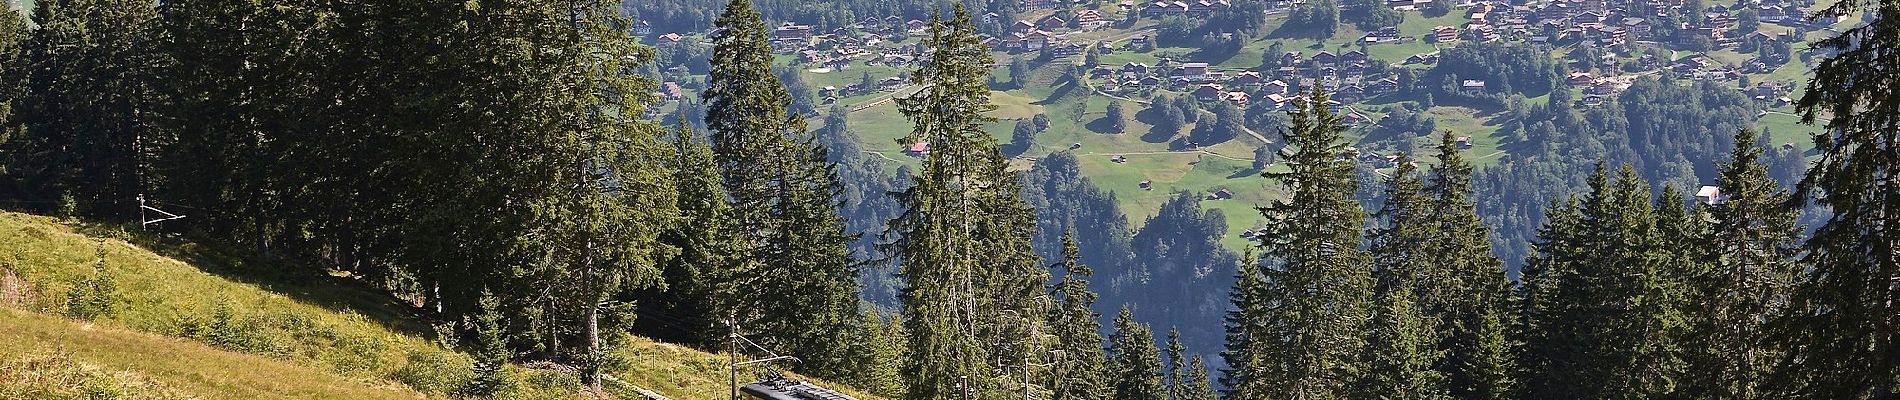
(1773, 92)
(1345, 75)
(1600, 23)
(830, 94)
(1196, 8)
(1035, 36)
(1587, 22)
(1606, 23)
(1598, 89)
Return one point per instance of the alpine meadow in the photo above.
(950, 199)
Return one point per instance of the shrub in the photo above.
(94, 296)
(231, 331)
(432, 372)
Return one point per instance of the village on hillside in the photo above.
(1347, 75)
(1373, 76)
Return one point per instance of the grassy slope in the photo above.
(320, 340)
(181, 366)
(307, 336)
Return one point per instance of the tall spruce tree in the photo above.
(1137, 363)
(1680, 252)
(248, 137)
(802, 283)
(1401, 343)
(972, 281)
(876, 355)
(1753, 242)
(602, 232)
(1177, 363)
(1198, 386)
(87, 108)
(1082, 372)
(746, 115)
(1468, 282)
(1317, 283)
(810, 264)
(1604, 301)
(1248, 301)
(13, 33)
(560, 209)
(1535, 315)
(1843, 328)
(700, 286)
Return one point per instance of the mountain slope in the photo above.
(52, 357)
(190, 321)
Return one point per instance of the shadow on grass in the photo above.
(299, 281)
(1250, 171)
(1060, 93)
(1102, 125)
(1294, 31)
(1214, 55)
(1157, 135)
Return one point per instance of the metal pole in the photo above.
(732, 354)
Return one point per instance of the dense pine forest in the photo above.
(503, 167)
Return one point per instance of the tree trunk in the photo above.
(593, 314)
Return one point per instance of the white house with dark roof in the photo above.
(1472, 86)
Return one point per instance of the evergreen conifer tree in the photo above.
(13, 33)
(1247, 299)
(1467, 286)
(1842, 328)
(802, 282)
(1753, 242)
(1198, 386)
(1604, 300)
(1137, 364)
(491, 352)
(1081, 372)
(598, 238)
(1401, 342)
(86, 107)
(700, 285)
(1176, 364)
(1317, 284)
(875, 355)
(974, 285)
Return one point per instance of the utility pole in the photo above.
(732, 354)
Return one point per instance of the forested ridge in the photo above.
(488, 163)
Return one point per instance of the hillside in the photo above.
(188, 321)
(51, 357)
(1076, 110)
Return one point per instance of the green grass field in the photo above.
(52, 357)
(193, 321)
(330, 333)
(1787, 128)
